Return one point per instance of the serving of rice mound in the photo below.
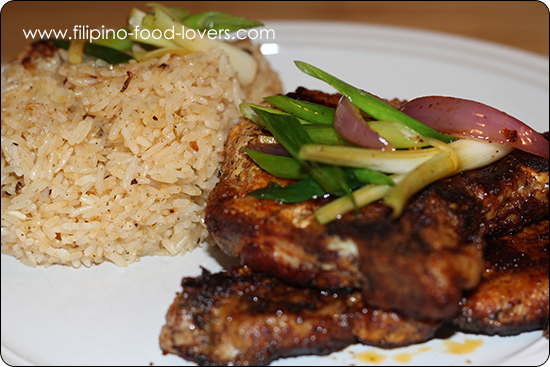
(113, 163)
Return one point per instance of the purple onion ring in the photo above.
(349, 123)
(464, 118)
(273, 149)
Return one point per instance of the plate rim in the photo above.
(491, 56)
(542, 61)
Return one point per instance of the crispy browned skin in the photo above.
(425, 260)
(283, 240)
(513, 294)
(246, 318)
(418, 265)
(242, 317)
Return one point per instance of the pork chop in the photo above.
(513, 294)
(241, 317)
(418, 265)
(245, 318)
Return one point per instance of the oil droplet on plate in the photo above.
(371, 357)
(469, 346)
(407, 356)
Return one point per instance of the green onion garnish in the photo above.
(312, 112)
(219, 21)
(370, 104)
(248, 112)
(419, 156)
(291, 135)
(364, 196)
(120, 44)
(107, 54)
(398, 161)
(294, 193)
(278, 166)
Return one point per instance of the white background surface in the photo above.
(112, 316)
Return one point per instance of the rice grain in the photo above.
(112, 163)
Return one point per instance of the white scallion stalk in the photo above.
(398, 161)
(446, 160)
(473, 154)
(363, 196)
(241, 62)
(136, 18)
(142, 55)
(442, 165)
(476, 153)
(139, 29)
(399, 135)
(75, 53)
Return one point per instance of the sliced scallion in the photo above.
(320, 134)
(399, 161)
(290, 133)
(288, 167)
(324, 134)
(136, 18)
(306, 188)
(241, 61)
(312, 112)
(370, 104)
(107, 54)
(365, 175)
(442, 165)
(219, 21)
(248, 112)
(363, 196)
(278, 166)
(75, 53)
(294, 193)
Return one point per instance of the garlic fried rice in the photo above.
(114, 162)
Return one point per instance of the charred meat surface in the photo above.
(418, 265)
(513, 294)
(426, 259)
(279, 239)
(245, 318)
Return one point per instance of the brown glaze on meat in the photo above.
(246, 318)
(423, 261)
(418, 265)
(513, 294)
(279, 239)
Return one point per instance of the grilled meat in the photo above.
(418, 265)
(246, 318)
(282, 240)
(433, 252)
(241, 317)
(513, 294)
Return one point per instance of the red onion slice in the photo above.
(273, 149)
(351, 126)
(464, 118)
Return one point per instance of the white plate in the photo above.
(112, 316)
